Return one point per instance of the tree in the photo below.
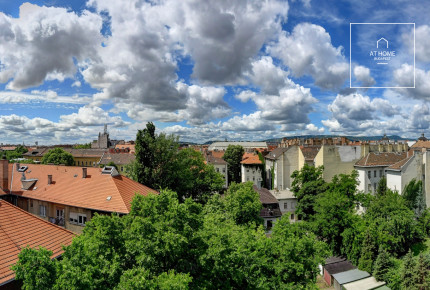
(414, 197)
(382, 265)
(422, 275)
(35, 268)
(408, 271)
(167, 244)
(82, 146)
(307, 184)
(161, 165)
(368, 253)
(58, 156)
(155, 156)
(233, 156)
(382, 186)
(191, 177)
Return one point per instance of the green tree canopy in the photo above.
(161, 165)
(233, 156)
(165, 244)
(58, 156)
(307, 184)
(414, 196)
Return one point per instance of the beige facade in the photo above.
(283, 161)
(337, 159)
(71, 218)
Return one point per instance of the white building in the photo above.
(402, 172)
(251, 169)
(287, 203)
(270, 212)
(222, 146)
(280, 164)
(371, 168)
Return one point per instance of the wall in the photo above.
(222, 168)
(412, 169)
(251, 172)
(337, 159)
(394, 180)
(365, 181)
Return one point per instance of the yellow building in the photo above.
(82, 157)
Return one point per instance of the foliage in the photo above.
(307, 184)
(408, 271)
(15, 154)
(35, 268)
(82, 146)
(165, 244)
(414, 197)
(263, 169)
(382, 186)
(160, 164)
(233, 156)
(58, 156)
(191, 177)
(421, 277)
(368, 255)
(382, 265)
(393, 224)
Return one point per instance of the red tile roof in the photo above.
(310, 152)
(69, 188)
(250, 159)
(400, 164)
(18, 229)
(381, 159)
(421, 144)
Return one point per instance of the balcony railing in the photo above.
(59, 221)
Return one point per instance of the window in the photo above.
(292, 217)
(253, 178)
(247, 179)
(369, 174)
(380, 173)
(247, 170)
(217, 170)
(223, 170)
(42, 210)
(293, 205)
(374, 173)
(269, 225)
(79, 163)
(31, 203)
(122, 169)
(78, 218)
(285, 205)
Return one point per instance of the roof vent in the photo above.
(84, 172)
(109, 198)
(110, 170)
(22, 168)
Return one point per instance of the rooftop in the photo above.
(350, 276)
(381, 159)
(117, 158)
(310, 152)
(421, 144)
(339, 267)
(68, 187)
(18, 229)
(366, 283)
(275, 154)
(282, 194)
(265, 196)
(250, 158)
(400, 164)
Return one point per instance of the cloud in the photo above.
(12, 97)
(308, 51)
(422, 43)
(405, 77)
(44, 43)
(362, 74)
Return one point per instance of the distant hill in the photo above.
(352, 138)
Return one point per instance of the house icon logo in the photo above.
(381, 42)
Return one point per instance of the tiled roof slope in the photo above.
(400, 164)
(421, 144)
(265, 196)
(75, 152)
(118, 158)
(381, 159)
(251, 159)
(215, 160)
(18, 229)
(69, 188)
(310, 151)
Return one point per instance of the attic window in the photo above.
(110, 170)
(22, 168)
(109, 198)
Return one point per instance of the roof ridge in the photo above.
(119, 191)
(367, 157)
(35, 216)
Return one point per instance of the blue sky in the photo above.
(236, 70)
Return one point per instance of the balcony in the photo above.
(59, 221)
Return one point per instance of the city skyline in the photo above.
(207, 71)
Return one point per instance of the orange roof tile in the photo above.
(18, 229)
(381, 159)
(400, 164)
(421, 144)
(69, 188)
(217, 154)
(251, 159)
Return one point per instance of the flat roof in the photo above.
(366, 283)
(350, 276)
(339, 267)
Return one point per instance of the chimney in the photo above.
(49, 179)
(84, 172)
(4, 164)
